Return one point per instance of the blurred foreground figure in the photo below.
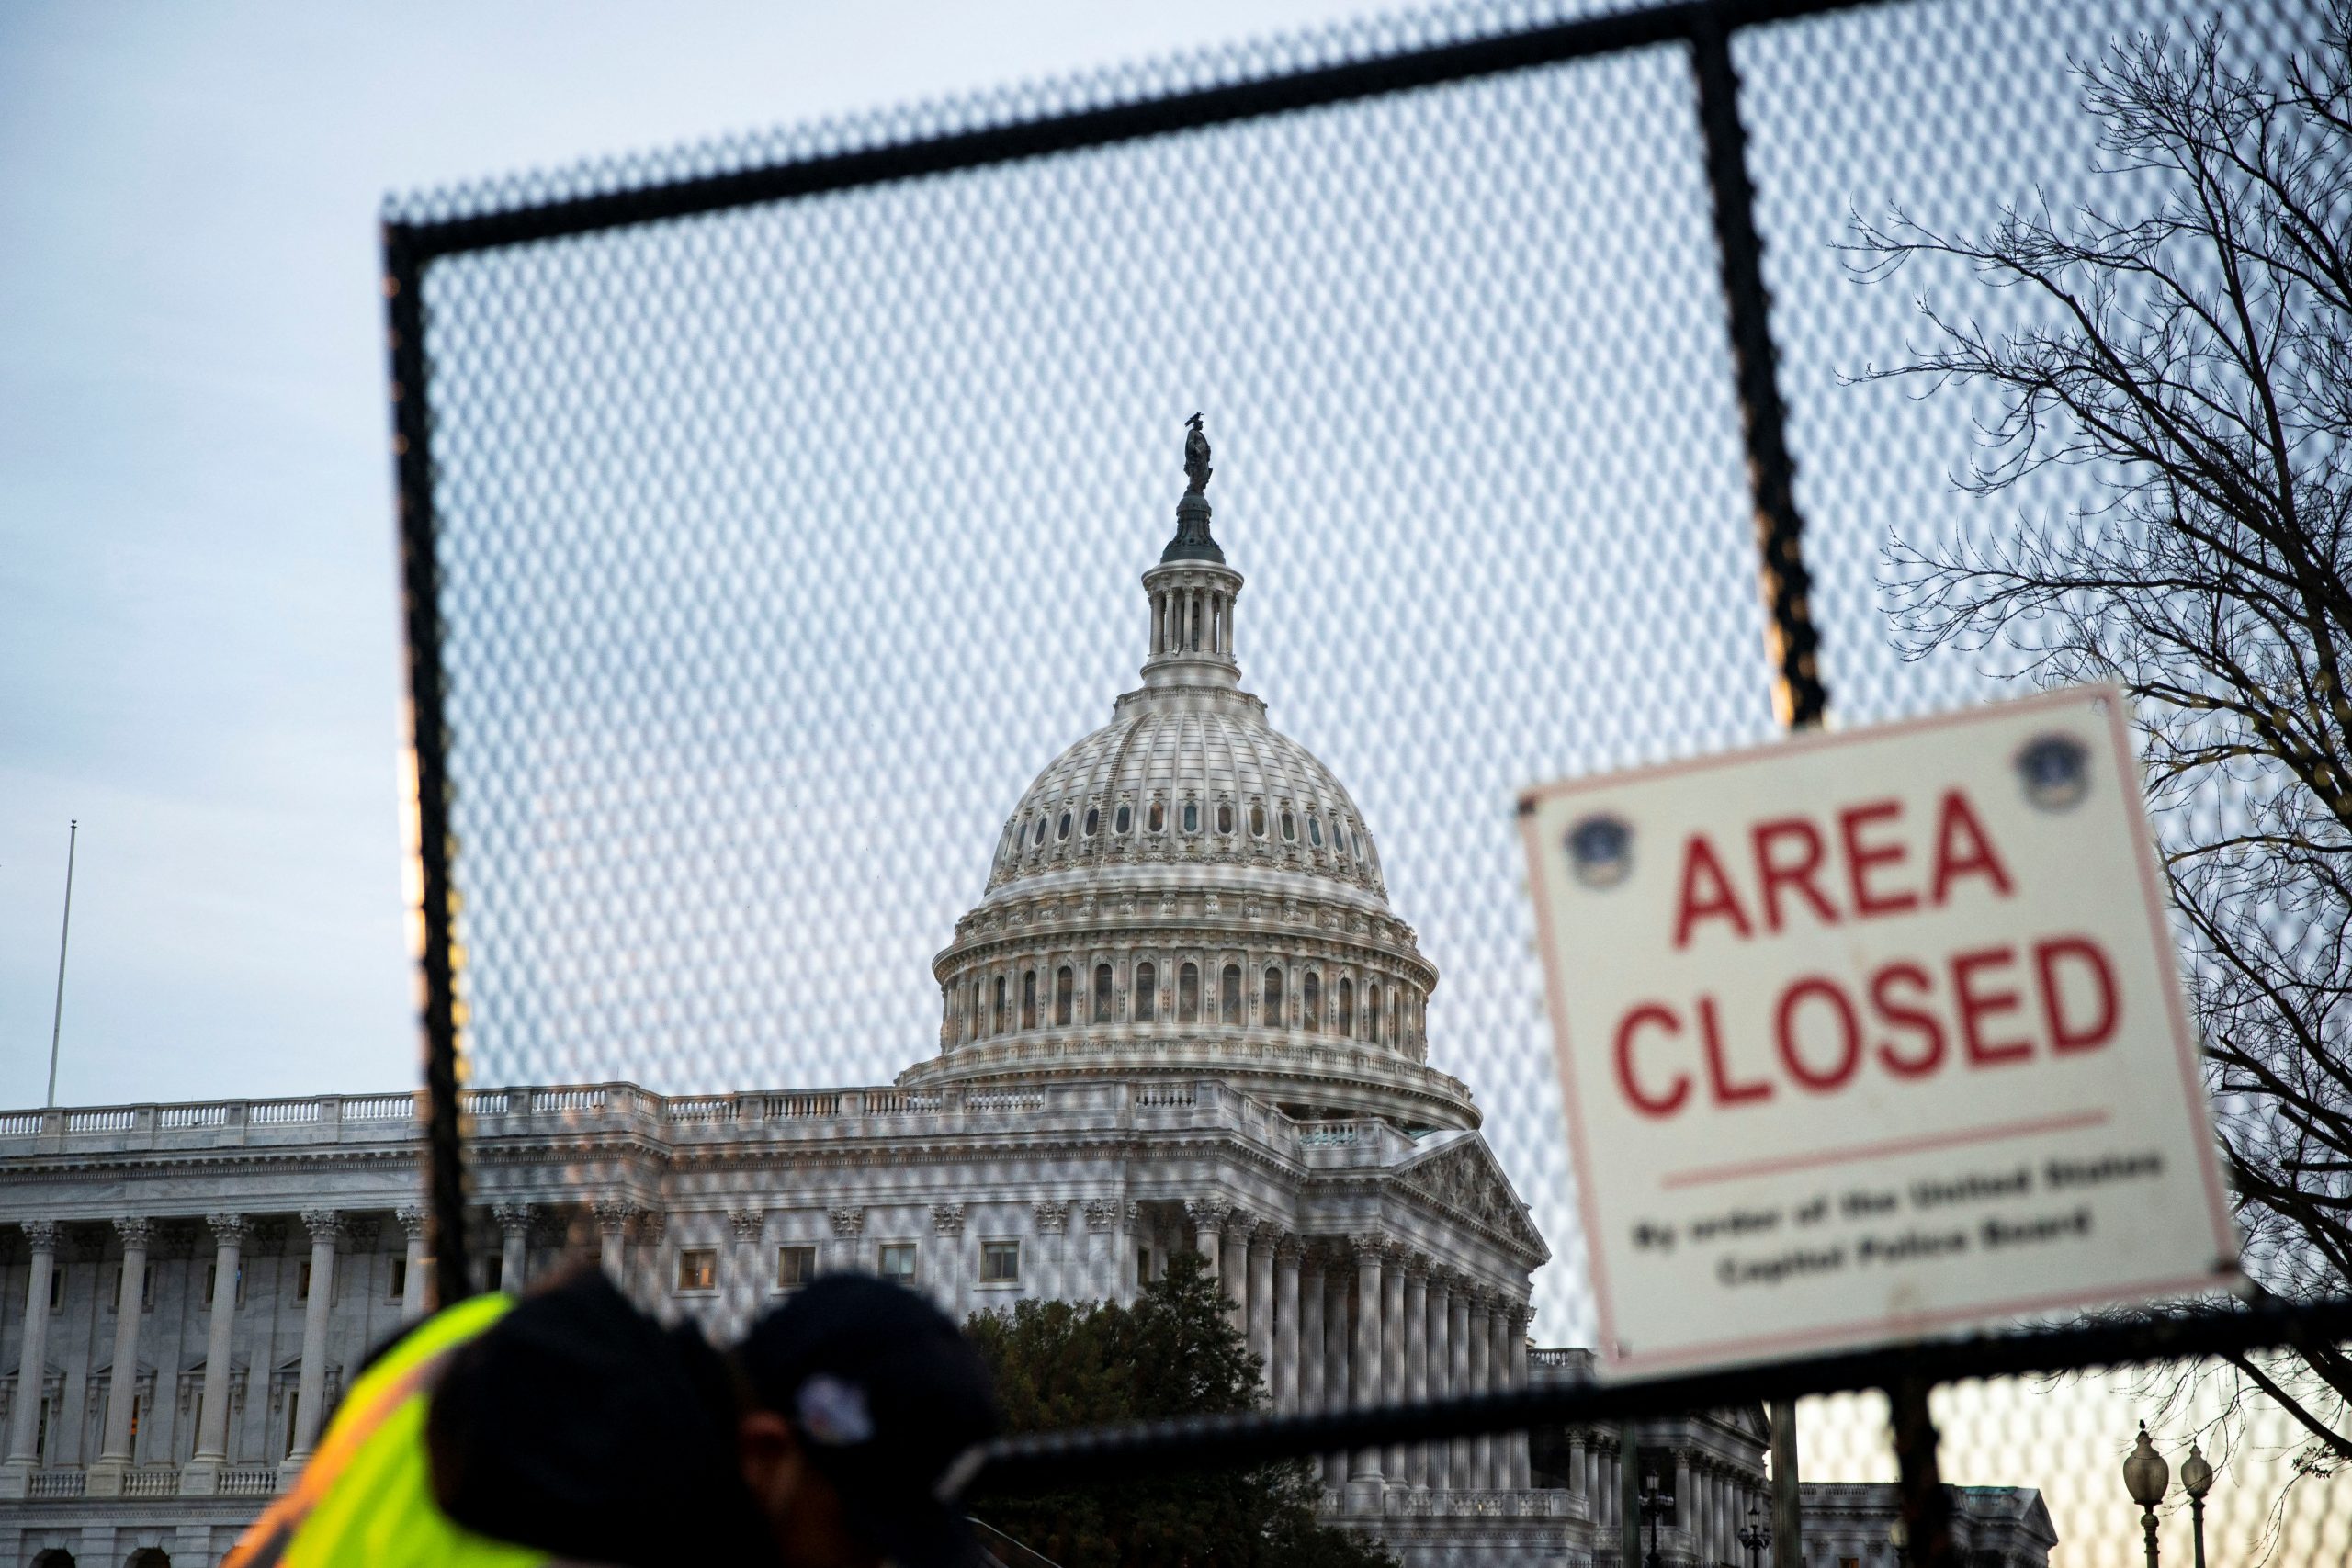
(571, 1428)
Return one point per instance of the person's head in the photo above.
(869, 1411)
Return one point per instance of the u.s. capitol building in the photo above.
(1182, 1016)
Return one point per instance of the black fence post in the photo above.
(1921, 1502)
(428, 754)
(1798, 697)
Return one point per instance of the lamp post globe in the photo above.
(2197, 1479)
(1898, 1536)
(2145, 1476)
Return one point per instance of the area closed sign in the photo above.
(1872, 1034)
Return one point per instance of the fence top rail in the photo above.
(1059, 1461)
(506, 213)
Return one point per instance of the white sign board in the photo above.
(1870, 1034)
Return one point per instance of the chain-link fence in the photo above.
(774, 510)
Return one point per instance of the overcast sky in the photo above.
(199, 650)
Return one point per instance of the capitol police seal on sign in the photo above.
(2055, 771)
(1600, 851)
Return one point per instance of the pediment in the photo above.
(1461, 1173)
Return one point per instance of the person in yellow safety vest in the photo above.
(571, 1428)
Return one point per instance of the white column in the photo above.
(1364, 1475)
(1286, 1325)
(1482, 1448)
(1462, 1454)
(202, 1473)
(1053, 1235)
(1438, 1355)
(1392, 1353)
(1311, 1353)
(325, 1226)
(947, 1249)
(1262, 1300)
(32, 1361)
(1233, 1270)
(1339, 1293)
(1417, 1363)
(743, 1281)
(849, 1234)
(1104, 1246)
(1522, 1468)
(612, 1238)
(122, 1393)
(1208, 1237)
(1580, 1478)
(514, 1239)
(411, 1219)
(1686, 1512)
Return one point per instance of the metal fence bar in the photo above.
(1056, 1460)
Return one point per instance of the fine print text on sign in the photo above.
(1869, 1034)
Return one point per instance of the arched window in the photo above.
(1310, 1003)
(1257, 821)
(1062, 831)
(1372, 1011)
(1290, 829)
(1147, 992)
(1347, 1019)
(1315, 829)
(1228, 995)
(1395, 1015)
(1041, 827)
(1157, 817)
(998, 1026)
(1094, 821)
(1029, 998)
(1121, 819)
(1064, 986)
(1270, 999)
(1192, 817)
(1187, 994)
(1225, 817)
(1103, 996)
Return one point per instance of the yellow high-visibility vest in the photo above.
(365, 1500)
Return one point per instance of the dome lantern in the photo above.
(1192, 591)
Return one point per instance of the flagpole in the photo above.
(66, 927)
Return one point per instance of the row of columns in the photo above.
(1711, 1500)
(1192, 620)
(326, 1230)
(1364, 1320)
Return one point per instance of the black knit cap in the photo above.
(892, 1404)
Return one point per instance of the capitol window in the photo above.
(1029, 998)
(1000, 1263)
(697, 1269)
(1372, 1010)
(1192, 817)
(1094, 821)
(1104, 999)
(1257, 821)
(1225, 817)
(1290, 829)
(1041, 827)
(1121, 819)
(1064, 984)
(1315, 829)
(1228, 995)
(1147, 993)
(1272, 999)
(794, 1266)
(1347, 1019)
(896, 1260)
(1310, 1003)
(1061, 832)
(999, 1028)
(1157, 817)
(1187, 994)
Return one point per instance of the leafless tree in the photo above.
(2183, 354)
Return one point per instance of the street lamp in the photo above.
(2197, 1479)
(2145, 1476)
(1656, 1506)
(1756, 1535)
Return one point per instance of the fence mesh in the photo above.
(783, 544)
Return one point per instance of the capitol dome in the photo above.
(1189, 891)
